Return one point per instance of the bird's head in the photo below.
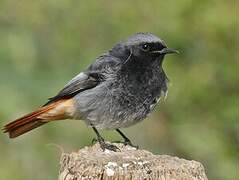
(147, 45)
(143, 46)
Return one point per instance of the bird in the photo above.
(119, 89)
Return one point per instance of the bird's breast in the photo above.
(120, 102)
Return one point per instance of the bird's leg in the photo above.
(102, 142)
(126, 140)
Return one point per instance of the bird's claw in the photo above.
(129, 143)
(109, 146)
(105, 145)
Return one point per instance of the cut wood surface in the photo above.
(129, 163)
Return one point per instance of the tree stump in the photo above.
(128, 163)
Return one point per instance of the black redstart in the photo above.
(118, 90)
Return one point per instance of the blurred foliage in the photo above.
(45, 43)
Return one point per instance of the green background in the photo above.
(43, 44)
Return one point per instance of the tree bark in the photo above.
(128, 163)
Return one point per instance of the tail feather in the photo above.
(35, 119)
(24, 128)
(24, 120)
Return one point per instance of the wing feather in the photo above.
(96, 73)
(79, 83)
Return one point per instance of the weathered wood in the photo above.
(128, 163)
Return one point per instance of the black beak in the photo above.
(166, 51)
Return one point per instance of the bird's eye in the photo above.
(146, 47)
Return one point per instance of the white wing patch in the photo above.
(77, 77)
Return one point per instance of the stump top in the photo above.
(128, 163)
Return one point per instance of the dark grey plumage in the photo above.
(122, 86)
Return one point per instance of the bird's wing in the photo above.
(89, 79)
(79, 83)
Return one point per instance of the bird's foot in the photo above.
(127, 143)
(105, 145)
(108, 146)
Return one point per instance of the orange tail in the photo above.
(54, 111)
